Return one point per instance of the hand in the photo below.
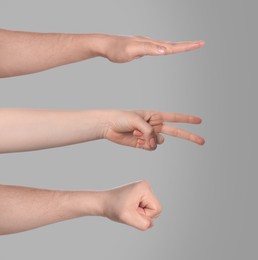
(133, 204)
(126, 48)
(143, 128)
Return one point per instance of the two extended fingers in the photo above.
(150, 140)
(178, 132)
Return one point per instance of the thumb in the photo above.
(149, 48)
(148, 137)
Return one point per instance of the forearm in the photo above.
(24, 208)
(27, 129)
(24, 52)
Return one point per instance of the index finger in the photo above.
(180, 118)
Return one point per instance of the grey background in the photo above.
(208, 193)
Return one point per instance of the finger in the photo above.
(167, 43)
(141, 126)
(172, 48)
(148, 48)
(149, 137)
(152, 143)
(169, 117)
(150, 212)
(137, 133)
(147, 145)
(140, 142)
(180, 118)
(160, 139)
(150, 206)
(140, 221)
(181, 133)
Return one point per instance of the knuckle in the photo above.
(149, 131)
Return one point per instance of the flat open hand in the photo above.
(144, 128)
(122, 49)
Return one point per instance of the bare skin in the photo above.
(134, 204)
(27, 129)
(26, 52)
(25, 208)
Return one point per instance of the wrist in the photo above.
(104, 121)
(94, 203)
(96, 44)
(84, 203)
(93, 124)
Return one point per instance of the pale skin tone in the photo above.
(27, 129)
(24, 208)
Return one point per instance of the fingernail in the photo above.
(202, 141)
(200, 43)
(161, 49)
(140, 142)
(153, 143)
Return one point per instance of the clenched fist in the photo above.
(133, 204)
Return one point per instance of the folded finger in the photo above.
(140, 221)
(137, 133)
(160, 139)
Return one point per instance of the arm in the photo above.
(27, 129)
(25, 52)
(24, 208)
